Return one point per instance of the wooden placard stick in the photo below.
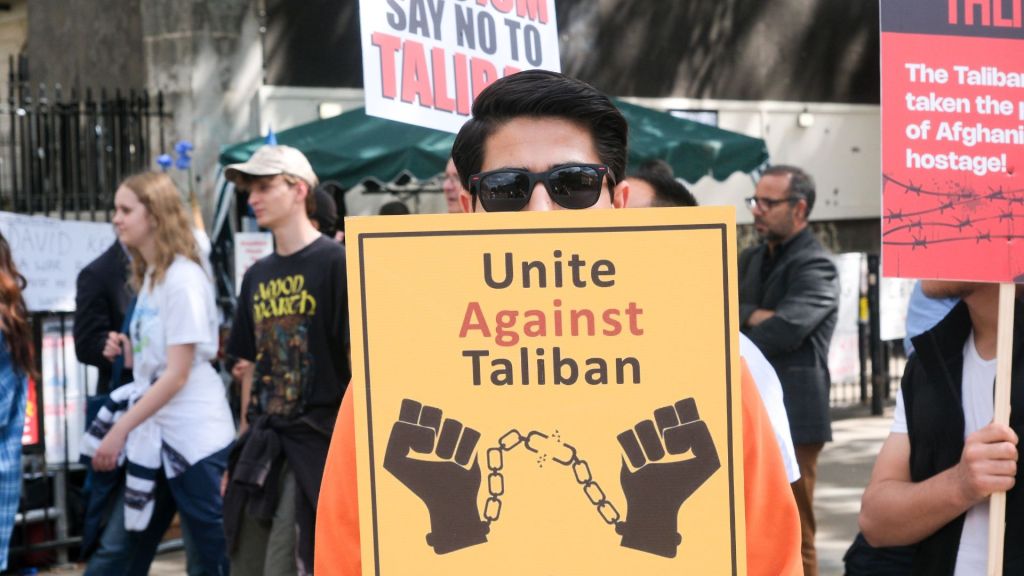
(1004, 355)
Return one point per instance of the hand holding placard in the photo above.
(656, 490)
(445, 485)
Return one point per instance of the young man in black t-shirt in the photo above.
(291, 328)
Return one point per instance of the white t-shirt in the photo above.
(978, 387)
(768, 384)
(197, 421)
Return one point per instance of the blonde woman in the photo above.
(171, 428)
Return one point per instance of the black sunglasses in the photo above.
(572, 186)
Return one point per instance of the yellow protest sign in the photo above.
(552, 393)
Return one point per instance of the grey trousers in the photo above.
(269, 550)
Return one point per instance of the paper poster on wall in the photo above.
(64, 392)
(425, 61)
(952, 140)
(893, 302)
(557, 394)
(50, 253)
(250, 247)
(844, 349)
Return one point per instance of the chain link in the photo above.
(593, 491)
(560, 453)
(495, 479)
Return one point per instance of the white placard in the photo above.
(893, 300)
(250, 247)
(844, 350)
(50, 253)
(424, 61)
(65, 382)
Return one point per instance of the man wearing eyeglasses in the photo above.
(541, 141)
(789, 294)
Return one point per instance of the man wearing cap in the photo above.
(291, 327)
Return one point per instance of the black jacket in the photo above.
(255, 471)
(933, 400)
(803, 291)
(102, 295)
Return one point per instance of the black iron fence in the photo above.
(63, 150)
(880, 362)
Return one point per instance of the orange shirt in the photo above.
(773, 524)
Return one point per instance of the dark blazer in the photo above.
(803, 291)
(102, 295)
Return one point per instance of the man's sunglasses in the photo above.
(572, 186)
(766, 204)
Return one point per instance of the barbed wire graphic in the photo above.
(957, 214)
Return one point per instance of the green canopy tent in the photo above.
(693, 149)
(354, 147)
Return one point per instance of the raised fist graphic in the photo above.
(658, 484)
(444, 483)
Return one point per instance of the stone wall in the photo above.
(204, 55)
(86, 43)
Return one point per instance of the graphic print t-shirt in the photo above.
(196, 421)
(292, 323)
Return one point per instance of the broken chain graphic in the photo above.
(654, 489)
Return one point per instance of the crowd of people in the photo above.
(275, 492)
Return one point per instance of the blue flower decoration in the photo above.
(164, 161)
(184, 162)
(183, 148)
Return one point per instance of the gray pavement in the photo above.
(168, 564)
(843, 472)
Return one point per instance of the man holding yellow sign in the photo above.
(551, 345)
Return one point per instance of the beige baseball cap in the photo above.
(271, 160)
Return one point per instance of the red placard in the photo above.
(952, 140)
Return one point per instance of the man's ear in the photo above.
(302, 192)
(620, 194)
(466, 201)
(801, 209)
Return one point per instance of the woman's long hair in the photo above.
(14, 314)
(157, 192)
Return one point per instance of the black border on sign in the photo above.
(523, 231)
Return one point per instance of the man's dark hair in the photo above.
(335, 191)
(394, 208)
(801, 185)
(668, 191)
(326, 211)
(539, 94)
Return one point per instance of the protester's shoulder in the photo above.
(93, 267)
(102, 264)
(328, 250)
(750, 251)
(328, 255)
(91, 272)
(816, 256)
(185, 272)
(815, 250)
(913, 371)
(749, 255)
